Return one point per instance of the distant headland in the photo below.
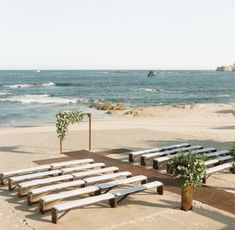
(227, 68)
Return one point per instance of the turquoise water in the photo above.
(31, 97)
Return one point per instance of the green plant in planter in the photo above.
(232, 152)
(189, 169)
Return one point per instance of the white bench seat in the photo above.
(217, 168)
(78, 203)
(25, 186)
(35, 194)
(218, 160)
(70, 163)
(18, 179)
(95, 172)
(134, 154)
(130, 180)
(160, 160)
(122, 193)
(48, 201)
(146, 157)
(96, 179)
(205, 150)
(5, 175)
(82, 167)
(217, 153)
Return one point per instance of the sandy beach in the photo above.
(210, 125)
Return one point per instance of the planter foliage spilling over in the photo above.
(64, 119)
(188, 169)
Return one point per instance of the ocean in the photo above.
(34, 97)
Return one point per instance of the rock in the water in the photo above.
(119, 106)
(102, 106)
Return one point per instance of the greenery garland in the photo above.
(188, 169)
(66, 118)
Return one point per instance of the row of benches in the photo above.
(87, 179)
(159, 156)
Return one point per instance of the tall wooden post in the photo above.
(61, 147)
(89, 138)
(89, 118)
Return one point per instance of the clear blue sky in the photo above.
(75, 34)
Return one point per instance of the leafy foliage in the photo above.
(66, 118)
(188, 169)
(232, 151)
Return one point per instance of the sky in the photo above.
(116, 34)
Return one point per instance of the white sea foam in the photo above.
(151, 90)
(40, 99)
(49, 84)
(18, 86)
(225, 95)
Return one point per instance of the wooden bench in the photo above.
(64, 164)
(107, 186)
(218, 168)
(123, 193)
(25, 186)
(95, 172)
(13, 181)
(96, 179)
(35, 194)
(217, 153)
(4, 176)
(147, 157)
(82, 168)
(135, 154)
(78, 203)
(48, 201)
(218, 160)
(157, 162)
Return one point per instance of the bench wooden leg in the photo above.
(204, 180)
(113, 202)
(142, 161)
(10, 185)
(160, 190)
(98, 192)
(54, 216)
(41, 207)
(144, 181)
(21, 191)
(131, 159)
(2, 180)
(155, 165)
(30, 199)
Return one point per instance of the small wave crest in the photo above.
(48, 84)
(225, 95)
(151, 90)
(40, 99)
(18, 86)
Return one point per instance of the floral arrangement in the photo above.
(66, 118)
(188, 169)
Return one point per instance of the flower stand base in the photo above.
(187, 198)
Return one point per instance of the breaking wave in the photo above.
(40, 99)
(151, 90)
(18, 86)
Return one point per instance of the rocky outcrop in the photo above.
(111, 109)
(228, 68)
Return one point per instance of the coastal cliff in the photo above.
(228, 68)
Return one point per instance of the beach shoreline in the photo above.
(202, 124)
